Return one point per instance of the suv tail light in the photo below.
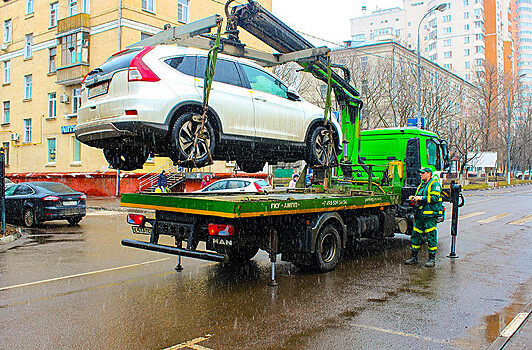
(221, 230)
(138, 70)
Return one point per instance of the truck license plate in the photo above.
(98, 90)
(140, 230)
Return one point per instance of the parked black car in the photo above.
(35, 202)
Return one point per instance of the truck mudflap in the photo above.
(198, 254)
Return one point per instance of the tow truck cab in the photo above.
(413, 147)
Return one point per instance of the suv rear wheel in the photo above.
(184, 135)
(318, 147)
(126, 157)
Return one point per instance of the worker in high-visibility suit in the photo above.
(429, 208)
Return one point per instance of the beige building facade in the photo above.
(46, 49)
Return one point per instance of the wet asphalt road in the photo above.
(78, 288)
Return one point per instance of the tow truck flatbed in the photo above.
(236, 206)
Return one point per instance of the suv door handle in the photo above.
(260, 99)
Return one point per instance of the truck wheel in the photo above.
(318, 145)
(239, 255)
(250, 166)
(126, 158)
(183, 135)
(30, 218)
(328, 249)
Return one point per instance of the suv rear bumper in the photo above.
(105, 135)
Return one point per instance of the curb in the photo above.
(512, 328)
(9, 239)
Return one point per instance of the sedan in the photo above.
(36, 202)
(148, 101)
(237, 185)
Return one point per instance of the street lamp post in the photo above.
(510, 93)
(440, 7)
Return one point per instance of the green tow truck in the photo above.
(359, 194)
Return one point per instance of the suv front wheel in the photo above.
(193, 151)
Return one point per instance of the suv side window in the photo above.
(264, 82)
(183, 64)
(225, 72)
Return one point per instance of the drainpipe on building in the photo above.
(117, 182)
(119, 25)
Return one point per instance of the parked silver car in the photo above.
(237, 184)
(146, 100)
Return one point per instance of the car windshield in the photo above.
(262, 183)
(57, 187)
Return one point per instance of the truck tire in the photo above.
(183, 134)
(250, 166)
(126, 158)
(240, 254)
(328, 249)
(317, 147)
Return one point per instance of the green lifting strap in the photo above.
(210, 68)
(328, 102)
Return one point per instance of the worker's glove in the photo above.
(417, 198)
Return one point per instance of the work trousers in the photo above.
(425, 227)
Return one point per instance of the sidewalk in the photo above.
(111, 203)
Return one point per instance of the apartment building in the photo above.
(46, 49)
(460, 38)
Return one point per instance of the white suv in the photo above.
(144, 101)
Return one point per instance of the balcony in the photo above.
(73, 49)
(76, 22)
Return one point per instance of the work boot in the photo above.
(432, 260)
(413, 259)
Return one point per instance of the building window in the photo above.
(6, 113)
(466, 15)
(8, 31)
(148, 5)
(28, 86)
(479, 49)
(448, 66)
(72, 7)
(27, 130)
(53, 14)
(466, 2)
(182, 10)
(479, 37)
(74, 48)
(467, 52)
(479, 62)
(7, 72)
(447, 42)
(52, 105)
(468, 77)
(86, 6)
(447, 30)
(478, 24)
(29, 7)
(447, 54)
(5, 146)
(51, 150)
(468, 65)
(466, 40)
(145, 35)
(76, 100)
(466, 27)
(76, 150)
(28, 46)
(52, 60)
(447, 18)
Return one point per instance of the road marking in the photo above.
(390, 331)
(82, 274)
(512, 326)
(522, 220)
(470, 215)
(493, 218)
(193, 344)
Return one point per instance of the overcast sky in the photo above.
(326, 19)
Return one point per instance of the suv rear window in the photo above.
(119, 61)
(183, 64)
(57, 187)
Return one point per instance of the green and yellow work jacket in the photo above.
(431, 202)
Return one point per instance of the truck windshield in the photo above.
(433, 156)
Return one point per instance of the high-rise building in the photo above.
(46, 49)
(461, 38)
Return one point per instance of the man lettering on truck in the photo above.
(428, 202)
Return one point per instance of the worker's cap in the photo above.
(425, 170)
(295, 175)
